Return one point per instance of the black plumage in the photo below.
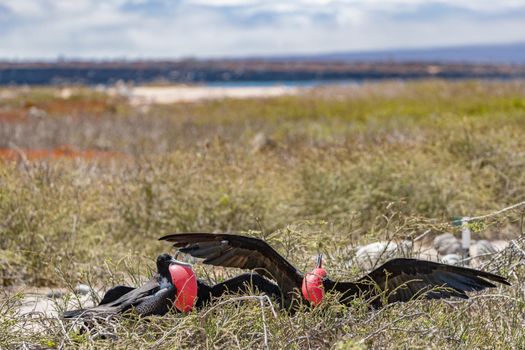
(156, 296)
(398, 280)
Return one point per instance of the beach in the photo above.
(186, 93)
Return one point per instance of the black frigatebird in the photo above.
(174, 284)
(397, 280)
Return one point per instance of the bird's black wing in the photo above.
(157, 304)
(407, 279)
(115, 293)
(230, 250)
(148, 299)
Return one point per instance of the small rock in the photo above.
(82, 289)
(65, 93)
(499, 245)
(36, 113)
(370, 254)
(481, 247)
(55, 294)
(446, 244)
(451, 259)
(425, 253)
(262, 142)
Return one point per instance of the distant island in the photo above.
(476, 62)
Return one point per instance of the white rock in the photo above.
(36, 113)
(261, 142)
(55, 294)
(451, 259)
(65, 93)
(499, 245)
(425, 252)
(82, 289)
(447, 243)
(481, 247)
(369, 255)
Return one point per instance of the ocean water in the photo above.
(285, 83)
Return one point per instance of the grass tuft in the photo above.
(345, 166)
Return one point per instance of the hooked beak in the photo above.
(319, 260)
(178, 262)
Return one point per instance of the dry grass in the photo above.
(344, 166)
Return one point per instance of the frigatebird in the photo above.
(398, 280)
(174, 286)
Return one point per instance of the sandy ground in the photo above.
(141, 95)
(50, 301)
(41, 303)
(37, 307)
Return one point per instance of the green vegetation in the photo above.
(335, 167)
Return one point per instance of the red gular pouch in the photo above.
(313, 289)
(184, 280)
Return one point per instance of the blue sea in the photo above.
(287, 83)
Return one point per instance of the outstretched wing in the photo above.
(148, 299)
(137, 295)
(230, 250)
(407, 279)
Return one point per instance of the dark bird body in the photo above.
(156, 296)
(398, 280)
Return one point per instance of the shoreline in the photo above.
(144, 95)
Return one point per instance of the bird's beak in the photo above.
(319, 260)
(178, 262)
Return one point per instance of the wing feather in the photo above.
(133, 298)
(406, 279)
(231, 250)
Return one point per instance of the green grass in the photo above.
(347, 166)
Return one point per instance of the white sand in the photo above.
(172, 94)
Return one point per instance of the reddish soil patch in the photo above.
(93, 107)
(56, 153)
(12, 116)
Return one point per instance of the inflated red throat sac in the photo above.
(185, 281)
(313, 289)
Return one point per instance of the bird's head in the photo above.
(312, 288)
(163, 264)
(184, 279)
(180, 275)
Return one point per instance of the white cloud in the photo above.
(167, 28)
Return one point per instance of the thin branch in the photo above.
(482, 217)
(265, 330)
(422, 235)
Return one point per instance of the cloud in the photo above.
(212, 28)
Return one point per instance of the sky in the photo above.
(113, 29)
